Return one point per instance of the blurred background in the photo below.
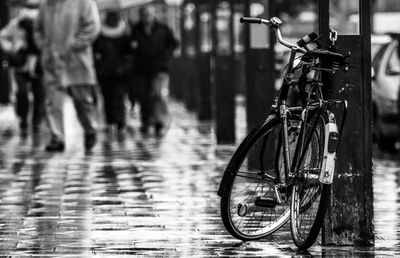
(213, 47)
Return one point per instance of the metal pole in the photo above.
(260, 68)
(204, 21)
(349, 219)
(4, 77)
(224, 86)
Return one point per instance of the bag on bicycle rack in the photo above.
(328, 61)
(328, 78)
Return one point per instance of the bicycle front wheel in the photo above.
(310, 198)
(252, 205)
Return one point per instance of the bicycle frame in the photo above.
(284, 168)
(292, 164)
(281, 110)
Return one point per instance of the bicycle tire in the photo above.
(254, 221)
(310, 198)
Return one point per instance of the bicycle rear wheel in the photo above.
(310, 198)
(250, 208)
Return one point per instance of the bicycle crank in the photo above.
(266, 202)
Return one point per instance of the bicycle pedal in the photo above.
(265, 202)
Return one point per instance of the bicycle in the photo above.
(284, 168)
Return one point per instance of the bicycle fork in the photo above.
(271, 202)
(286, 154)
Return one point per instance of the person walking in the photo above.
(112, 54)
(17, 43)
(65, 31)
(153, 44)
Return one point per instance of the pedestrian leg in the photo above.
(55, 99)
(118, 109)
(106, 86)
(132, 93)
(22, 101)
(38, 103)
(160, 84)
(82, 96)
(142, 83)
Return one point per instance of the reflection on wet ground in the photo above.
(387, 201)
(145, 196)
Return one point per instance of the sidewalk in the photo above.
(144, 197)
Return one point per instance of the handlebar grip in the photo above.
(307, 39)
(250, 20)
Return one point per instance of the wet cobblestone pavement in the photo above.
(144, 197)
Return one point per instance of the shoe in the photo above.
(159, 129)
(55, 145)
(24, 132)
(90, 140)
(121, 128)
(121, 135)
(8, 132)
(130, 129)
(144, 129)
(121, 131)
(36, 129)
(108, 128)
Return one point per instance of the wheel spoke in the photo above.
(261, 175)
(250, 210)
(309, 198)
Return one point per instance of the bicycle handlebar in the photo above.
(274, 23)
(252, 20)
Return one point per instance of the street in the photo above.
(145, 196)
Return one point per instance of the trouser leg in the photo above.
(143, 84)
(38, 102)
(22, 98)
(118, 97)
(132, 92)
(106, 90)
(160, 112)
(82, 96)
(55, 98)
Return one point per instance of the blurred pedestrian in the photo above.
(112, 61)
(17, 43)
(153, 44)
(66, 30)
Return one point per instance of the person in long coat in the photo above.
(65, 32)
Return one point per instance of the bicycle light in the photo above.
(331, 143)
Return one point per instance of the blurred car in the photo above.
(385, 91)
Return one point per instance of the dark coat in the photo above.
(27, 25)
(112, 56)
(152, 52)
